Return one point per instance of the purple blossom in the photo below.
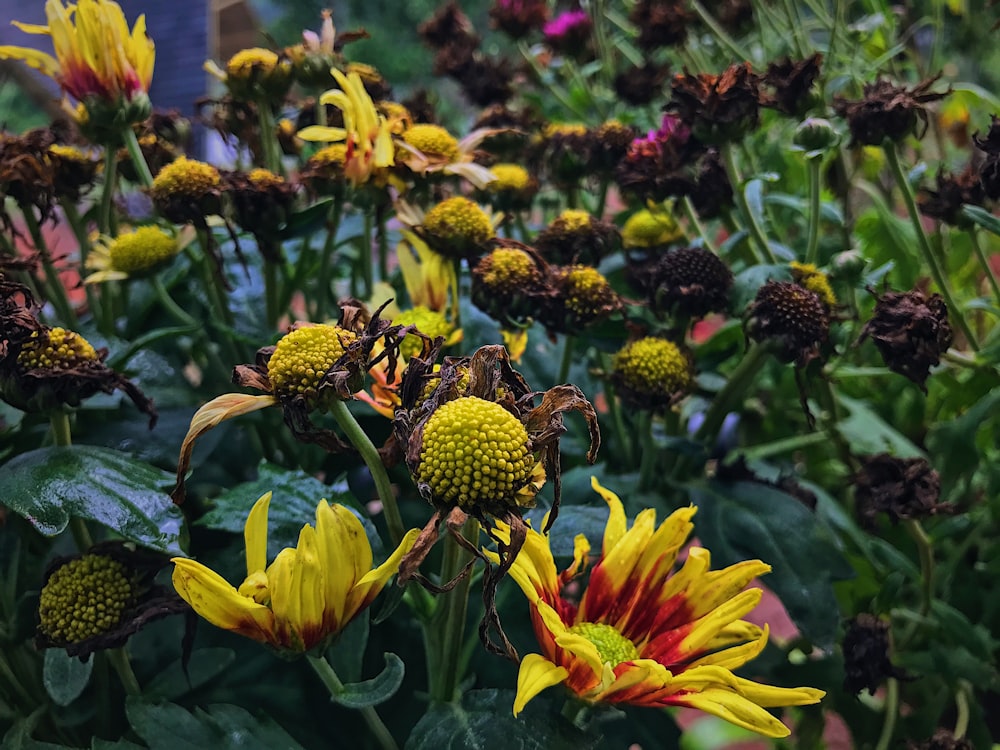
(570, 22)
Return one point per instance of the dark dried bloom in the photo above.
(791, 83)
(26, 173)
(887, 111)
(942, 739)
(512, 129)
(911, 331)
(569, 33)
(712, 192)
(641, 84)
(323, 173)
(186, 191)
(518, 18)
(566, 152)
(446, 26)
(613, 140)
(577, 237)
(580, 297)
(420, 107)
(235, 121)
(74, 171)
(689, 281)
(866, 655)
(989, 170)
(660, 165)
(790, 316)
(661, 23)
(902, 488)
(508, 283)
(718, 108)
(486, 80)
(96, 600)
(475, 399)
(991, 143)
(953, 191)
(17, 324)
(262, 202)
(735, 16)
(737, 470)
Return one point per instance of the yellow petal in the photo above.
(516, 342)
(322, 133)
(735, 657)
(652, 675)
(31, 28)
(535, 675)
(214, 599)
(769, 696)
(575, 644)
(476, 174)
(344, 553)
(709, 625)
(735, 709)
(617, 522)
(308, 589)
(32, 57)
(375, 580)
(284, 602)
(534, 569)
(255, 535)
(713, 588)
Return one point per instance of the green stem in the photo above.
(795, 26)
(54, 290)
(369, 453)
(269, 137)
(324, 670)
(75, 222)
(175, 311)
(891, 711)
(962, 709)
(892, 156)
(614, 409)
(120, 661)
(445, 676)
(812, 245)
(692, 217)
(647, 464)
(271, 293)
(925, 548)
(984, 261)
(382, 240)
(737, 385)
(326, 261)
(62, 436)
(138, 160)
(753, 225)
(108, 192)
(602, 197)
(567, 359)
(718, 32)
(367, 271)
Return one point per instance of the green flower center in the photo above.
(613, 647)
(474, 451)
(58, 349)
(432, 140)
(141, 250)
(653, 366)
(429, 322)
(84, 598)
(185, 177)
(303, 357)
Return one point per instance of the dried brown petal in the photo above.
(887, 111)
(866, 655)
(902, 488)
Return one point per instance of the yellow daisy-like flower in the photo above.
(643, 634)
(430, 148)
(134, 254)
(95, 54)
(307, 595)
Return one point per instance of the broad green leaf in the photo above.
(376, 690)
(747, 520)
(64, 676)
(348, 651)
(165, 726)
(953, 443)
(307, 221)
(867, 432)
(982, 217)
(484, 721)
(588, 520)
(48, 486)
(173, 682)
(747, 282)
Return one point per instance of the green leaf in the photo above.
(165, 726)
(348, 651)
(64, 676)
(953, 443)
(867, 432)
(376, 690)
(98, 744)
(307, 221)
(48, 486)
(746, 520)
(484, 721)
(747, 282)
(173, 683)
(588, 520)
(982, 217)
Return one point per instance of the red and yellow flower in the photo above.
(643, 634)
(307, 595)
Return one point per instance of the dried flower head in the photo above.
(902, 488)
(911, 331)
(792, 318)
(791, 83)
(569, 33)
(712, 192)
(508, 282)
(186, 191)
(256, 74)
(639, 85)
(661, 164)
(953, 192)
(942, 739)
(518, 18)
(866, 655)
(577, 237)
(262, 202)
(96, 600)
(718, 108)
(652, 373)
(809, 276)
(565, 151)
(989, 170)
(612, 140)
(323, 173)
(579, 297)
(887, 111)
(513, 189)
(689, 281)
(661, 23)
(27, 174)
(74, 170)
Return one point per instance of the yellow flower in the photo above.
(430, 148)
(307, 595)
(135, 254)
(366, 132)
(643, 634)
(95, 55)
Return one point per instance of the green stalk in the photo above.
(984, 262)
(795, 24)
(450, 634)
(54, 290)
(326, 260)
(108, 192)
(961, 709)
(753, 226)
(62, 436)
(891, 711)
(367, 271)
(719, 33)
(138, 160)
(75, 222)
(269, 137)
(812, 246)
(324, 670)
(175, 310)
(120, 661)
(692, 216)
(567, 359)
(369, 453)
(924, 244)
(624, 438)
(271, 293)
(382, 240)
(925, 548)
(647, 464)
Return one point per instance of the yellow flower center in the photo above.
(564, 128)
(186, 178)
(653, 366)
(613, 647)
(807, 275)
(474, 451)
(646, 229)
(142, 250)
(458, 220)
(303, 357)
(429, 322)
(69, 153)
(249, 62)
(83, 598)
(586, 290)
(573, 220)
(330, 155)
(432, 140)
(509, 268)
(264, 178)
(59, 349)
(510, 177)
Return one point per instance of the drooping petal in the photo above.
(617, 521)
(255, 535)
(735, 657)
(769, 696)
(735, 709)
(535, 675)
(34, 58)
(322, 133)
(374, 581)
(707, 626)
(534, 569)
(634, 682)
(213, 598)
